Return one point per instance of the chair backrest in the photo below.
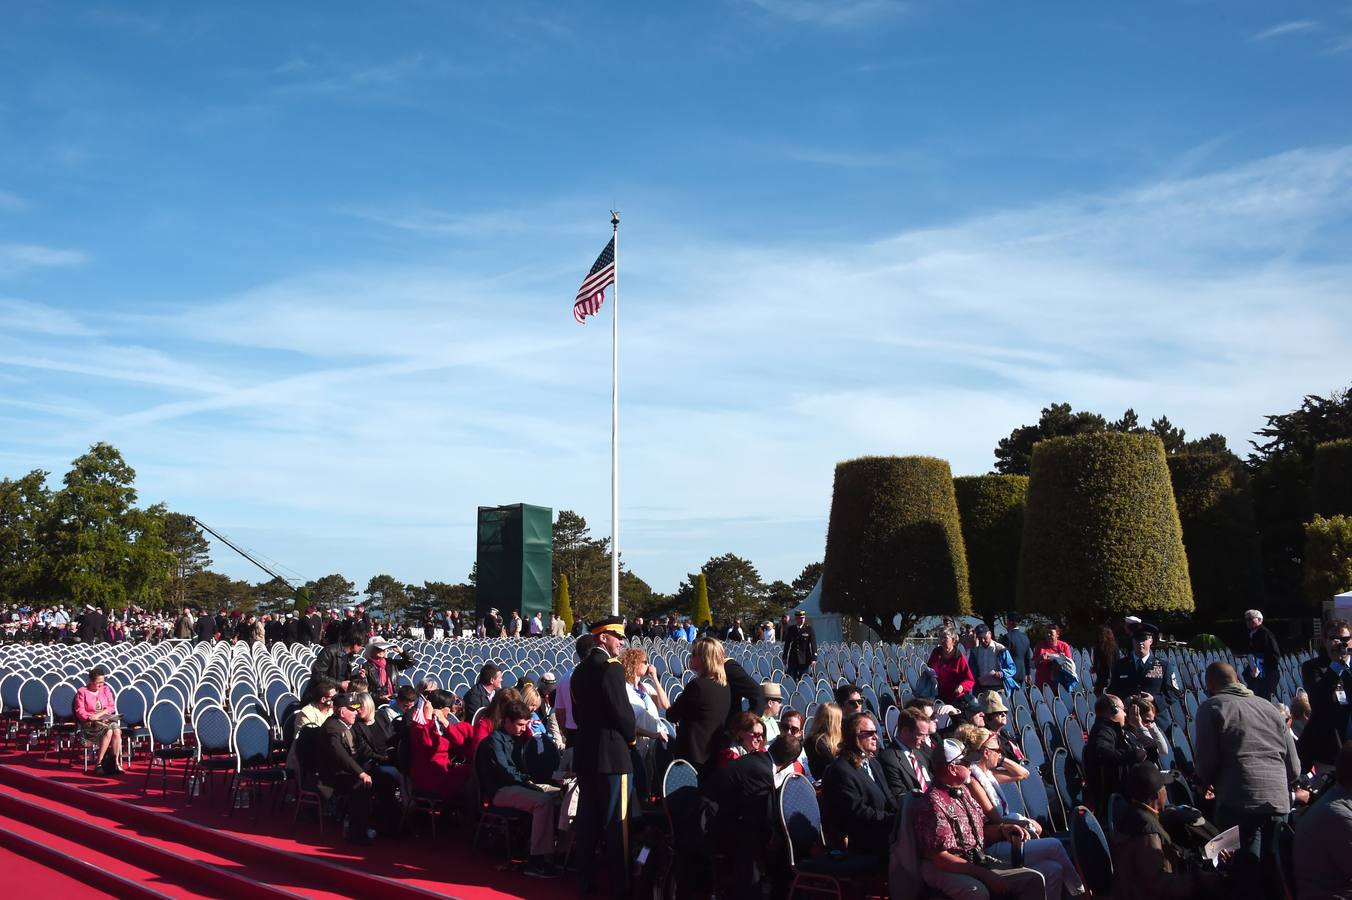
(680, 774)
(213, 729)
(1061, 781)
(9, 690)
(34, 698)
(800, 817)
(63, 702)
(1013, 797)
(252, 740)
(1089, 847)
(131, 706)
(1074, 740)
(165, 723)
(1032, 747)
(1117, 804)
(1037, 805)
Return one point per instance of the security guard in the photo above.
(605, 732)
(1144, 672)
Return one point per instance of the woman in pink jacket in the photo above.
(951, 670)
(96, 713)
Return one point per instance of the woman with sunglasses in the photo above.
(748, 736)
(1046, 855)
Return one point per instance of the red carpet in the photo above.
(33, 879)
(231, 849)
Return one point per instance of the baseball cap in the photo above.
(349, 701)
(954, 752)
(1145, 778)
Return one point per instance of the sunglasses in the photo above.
(869, 733)
(854, 702)
(758, 735)
(793, 729)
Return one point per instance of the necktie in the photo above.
(919, 772)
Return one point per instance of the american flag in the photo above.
(593, 290)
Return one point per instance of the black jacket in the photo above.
(1107, 757)
(603, 716)
(93, 627)
(744, 792)
(333, 663)
(1322, 737)
(800, 646)
(700, 714)
(742, 687)
(337, 761)
(373, 742)
(1263, 644)
(859, 807)
(290, 632)
(900, 774)
(206, 627)
(1156, 678)
(476, 698)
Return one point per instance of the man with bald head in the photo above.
(1245, 751)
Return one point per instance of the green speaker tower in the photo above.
(515, 560)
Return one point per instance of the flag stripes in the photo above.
(593, 291)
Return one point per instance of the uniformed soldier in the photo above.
(1144, 672)
(601, 758)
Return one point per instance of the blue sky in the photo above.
(310, 266)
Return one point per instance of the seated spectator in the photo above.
(774, 706)
(791, 721)
(381, 668)
(1146, 862)
(373, 737)
(856, 802)
(530, 696)
(824, 739)
(955, 678)
(748, 736)
(503, 782)
(1300, 712)
(1322, 862)
(405, 701)
(1144, 730)
(744, 796)
(997, 716)
(321, 692)
(339, 768)
(97, 719)
(549, 686)
(1109, 752)
(951, 833)
(905, 764)
(989, 769)
(648, 698)
(849, 698)
(487, 685)
(438, 750)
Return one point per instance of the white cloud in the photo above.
(1296, 26)
(12, 202)
(21, 315)
(17, 258)
(834, 13)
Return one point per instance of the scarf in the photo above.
(1237, 689)
(382, 676)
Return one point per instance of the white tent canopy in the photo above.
(828, 626)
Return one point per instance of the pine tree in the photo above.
(563, 604)
(701, 614)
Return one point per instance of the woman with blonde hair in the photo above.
(1046, 855)
(702, 708)
(531, 697)
(648, 698)
(823, 740)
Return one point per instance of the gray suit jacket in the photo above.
(1246, 752)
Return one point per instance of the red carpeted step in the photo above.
(34, 879)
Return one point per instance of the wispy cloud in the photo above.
(388, 80)
(1296, 26)
(12, 202)
(17, 258)
(24, 316)
(834, 13)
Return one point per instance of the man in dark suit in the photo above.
(290, 629)
(744, 791)
(1019, 646)
(488, 684)
(1328, 680)
(1264, 656)
(601, 758)
(339, 769)
(906, 764)
(205, 629)
(856, 802)
(93, 626)
(800, 646)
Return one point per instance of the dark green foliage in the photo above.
(387, 594)
(700, 614)
(331, 592)
(1215, 508)
(1101, 533)
(991, 509)
(1333, 478)
(1328, 559)
(894, 545)
(1282, 466)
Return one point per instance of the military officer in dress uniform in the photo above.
(601, 758)
(1144, 672)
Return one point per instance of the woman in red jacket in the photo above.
(441, 753)
(950, 668)
(1043, 653)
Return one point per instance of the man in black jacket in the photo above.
(93, 626)
(744, 791)
(1264, 656)
(856, 802)
(601, 758)
(488, 684)
(290, 629)
(501, 770)
(906, 764)
(1328, 680)
(335, 661)
(340, 770)
(800, 646)
(1109, 753)
(205, 629)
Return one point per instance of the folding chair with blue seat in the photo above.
(1032, 748)
(1066, 781)
(165, 729)
(815, 871)
(213, 730)
(64, 730)
(1178, 741)
(254, 764)
(1074, 740)
(1013, 797)
(34, 711)
(1089, 850)
(9, 699)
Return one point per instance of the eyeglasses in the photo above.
(854, 701)
(871, 733)
(793, 729)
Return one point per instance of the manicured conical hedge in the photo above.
(701, 615)
(991, 510)
(894, 544)
(1101, 534)
(563, 603)
(1220, 534)
(1333, 478)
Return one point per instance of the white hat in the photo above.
(1132, 620)
(953, 751)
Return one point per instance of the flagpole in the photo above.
(615, 423)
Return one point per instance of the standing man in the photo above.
(1264, 656)
(605, 732)
(1019, 646)
(990, 662)
(1328, 680)
(536, 628)
(183, 625)
(800, 646)
(514, 625)
(1144, 672)
(206, 627)
(557, 628)
(1246, 753)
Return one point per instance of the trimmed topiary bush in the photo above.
(563, 603)
(1333, 478)
(1215, 508)
(894, 544)
(1101, 534)
(701, 614)
(991, 510)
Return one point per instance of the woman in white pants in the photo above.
(1046, 855)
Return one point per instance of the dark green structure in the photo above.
(515, 557)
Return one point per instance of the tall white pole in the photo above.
(615, 423)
